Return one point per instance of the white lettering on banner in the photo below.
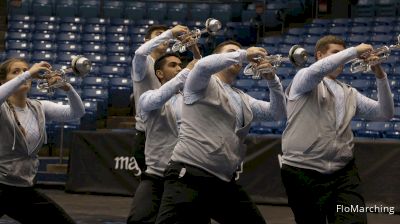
(362, 209)
(127, 163)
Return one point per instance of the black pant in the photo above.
(314, 197)
(147, 199)
(195, 196)
(27, 205)
(138, 149)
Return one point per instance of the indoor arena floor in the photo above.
(96, 209)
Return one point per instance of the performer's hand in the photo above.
(179, 30)
(266, 65)
(56, 78)
(363, 50)
(191, 64)
(254, 52)
(378, 70)
(39, 67)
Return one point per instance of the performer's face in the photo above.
(15, 69)
(332, 49)
(233, 69)
(171, 67)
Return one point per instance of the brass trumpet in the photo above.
(80, 66)
(364, 65)
(211, 27)
(298, 56)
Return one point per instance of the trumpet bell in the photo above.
(298, 56)
(213, 25)
(81, 65)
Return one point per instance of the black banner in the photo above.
(100, 162)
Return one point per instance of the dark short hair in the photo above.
(5, 66)
(322, 44)
(227, 42)
(160, 62)
(153, 28)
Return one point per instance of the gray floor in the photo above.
(93, 209)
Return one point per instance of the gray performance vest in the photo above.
(208, 139)
(18, 167)
(311, 140)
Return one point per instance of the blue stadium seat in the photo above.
(43, 37)
(117, 38)
(42, 7)
(3, 56)
(93, 38)
(19, 8)
(95, 29)
(97, 95)
(146, 22)
(357, 126)
(364, 8)
(20, 18)
(39, 56)
(46, 27)
(380, 39)
(317, 31)
(137, 30)
(97, 21)
(362, 21)
(359, 30)
(137, 38)
(156, 10)
(121, 22)
(68, 38)
(292, 40)
(134, 10)
(12, 35)
(73, 20)
(20, 26)
(114, 71)
(321, 22)
(46, 19)
(70, 47)
(76, 82)
(64, 58)
(93, 48)
(95, 83)
(18, 45)
(24, 55)
(339, 30)
(379, 126)
(88, 121)
(311, 40)
(70, 28)
(258, 129)
(117, 29)
(113, 9)
(177, 11)
(343, 22)
(120, 91)
(44, 46)
(296, 31)
(222, 12)
(117, 48)
(384, 21)
(88, 8)
(247, 15)
(381, 29)
(272, 40)
(119, 60)
(199, 11)
(358, 39)
(386, 7)
(60, 94)
(66, 8)
(97, 59)
(245, 84)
